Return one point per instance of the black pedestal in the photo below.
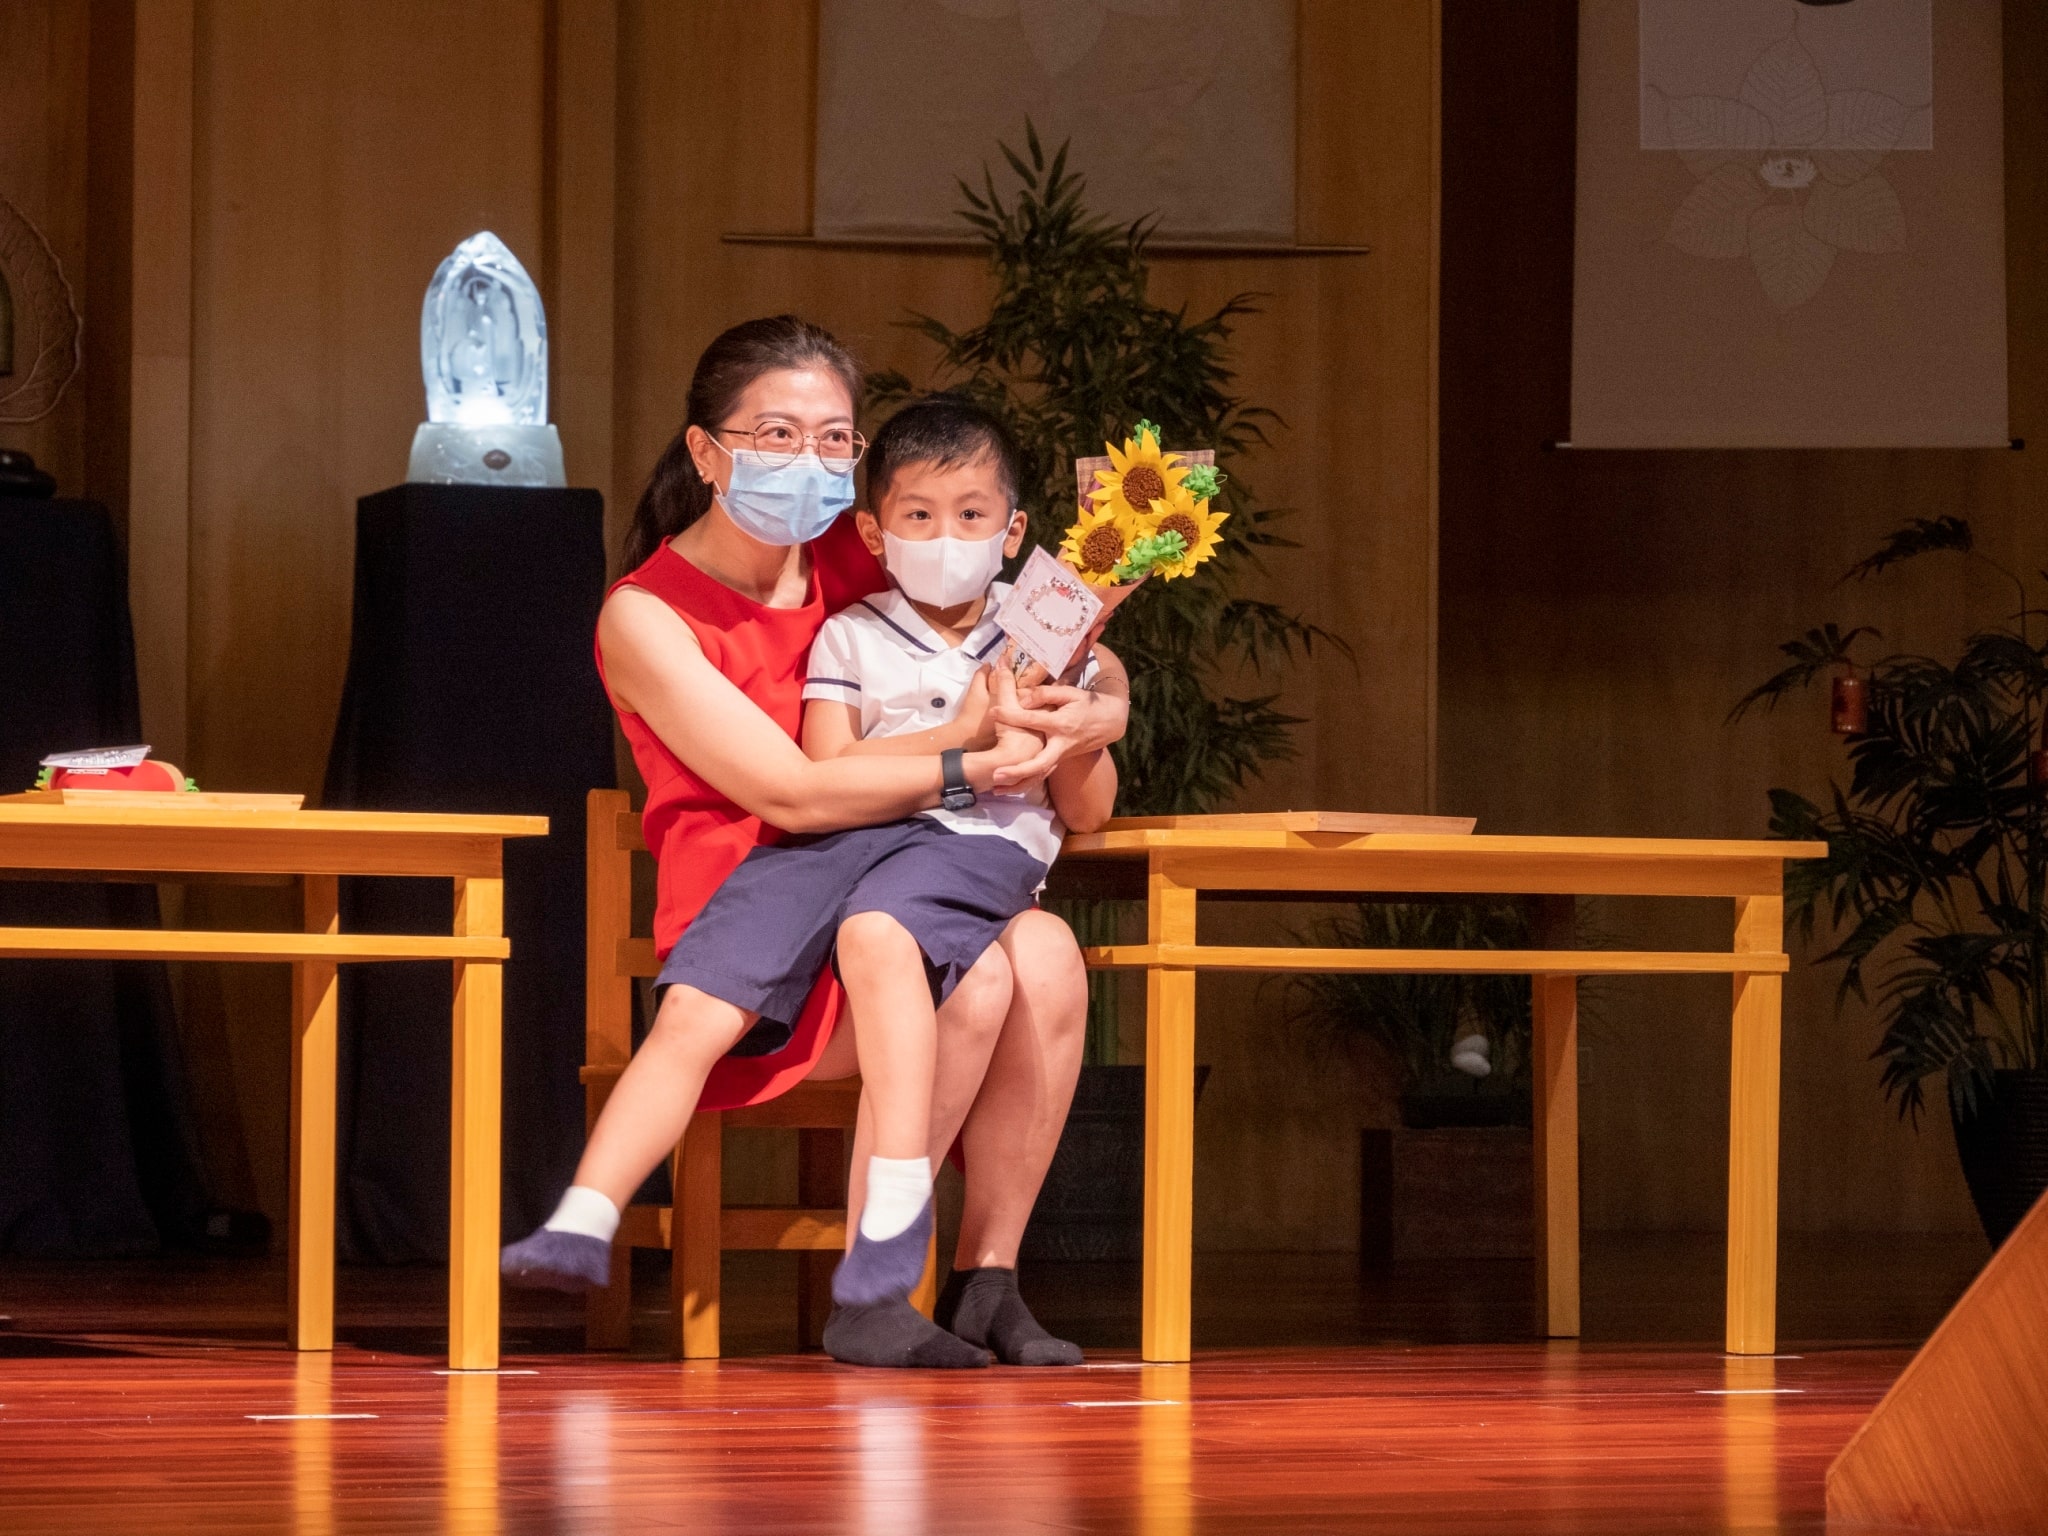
(98, 1153)
(471, 687)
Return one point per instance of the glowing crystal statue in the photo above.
(484, 355)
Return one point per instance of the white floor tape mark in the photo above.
(1130, 1402)
(270, 1418)
(487, 1373)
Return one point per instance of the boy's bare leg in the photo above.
(882, 969)
(968, 1023)
(898, 1035)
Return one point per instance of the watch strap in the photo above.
(955, 793)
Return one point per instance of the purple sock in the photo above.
(887, 1270)
(557, 1261)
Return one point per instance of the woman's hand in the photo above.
(1071, 720)
(1015, 746)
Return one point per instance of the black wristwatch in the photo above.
(955, 793)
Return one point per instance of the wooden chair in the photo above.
(822, 1115)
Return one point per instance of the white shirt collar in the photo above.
(913, 633)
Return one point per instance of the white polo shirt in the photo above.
(882, 657)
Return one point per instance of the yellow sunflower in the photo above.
(1196, 525)
(1139, 476)
(1095, 545)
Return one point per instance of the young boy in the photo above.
(903, 910)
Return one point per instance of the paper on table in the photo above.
(98, 760)
(1048, 612)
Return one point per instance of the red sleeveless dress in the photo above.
(697, 835)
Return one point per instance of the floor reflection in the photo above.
(313, 1445)
(1165, 1453)
(583, 1434)
(1749, 1442)
(890, 1496)
(469, 1455)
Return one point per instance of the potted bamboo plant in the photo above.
(1935, 887)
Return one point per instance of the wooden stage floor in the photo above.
(154, 1396)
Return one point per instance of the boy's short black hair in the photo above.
(945, 430)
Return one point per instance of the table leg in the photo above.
(1555, 1009)
(473, 1133)
(315, 1009)
(1169, 1129)
(1753, 1134)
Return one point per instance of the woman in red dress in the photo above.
(702, 647)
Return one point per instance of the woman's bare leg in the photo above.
(1013, 1126)
(650, 1107)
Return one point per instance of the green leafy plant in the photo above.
(1072, 353)
(1937, 865)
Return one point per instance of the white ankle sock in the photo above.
(897, 1190)
(585, 1210)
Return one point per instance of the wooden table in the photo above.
(1171, 862)
(72, 842)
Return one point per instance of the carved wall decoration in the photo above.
(39, 324)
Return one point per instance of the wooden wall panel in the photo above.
(299, 168)
(1602, 611)
(44, 66)
(340, 150)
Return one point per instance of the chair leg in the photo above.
(608, 1314)
(695, 1238)
(820, 1183)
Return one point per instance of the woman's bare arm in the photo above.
(1083, 790)
(655, 669)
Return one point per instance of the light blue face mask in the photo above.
(784, 504)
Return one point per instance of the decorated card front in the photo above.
(1049, 612)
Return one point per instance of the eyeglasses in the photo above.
(781, 442)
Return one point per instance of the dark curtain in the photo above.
(98, 1151)
(471, 687)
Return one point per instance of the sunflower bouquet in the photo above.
(1145, 514)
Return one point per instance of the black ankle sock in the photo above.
(983, 1307)
(895, 1334)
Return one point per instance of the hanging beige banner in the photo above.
(1178, 110)
(1790, 225)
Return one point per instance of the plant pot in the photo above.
(1450, 1192)
(1092, 1205)
(2004, 1149)
(1428, 1111)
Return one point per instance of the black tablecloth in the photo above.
(98, 1152)
(471, 687)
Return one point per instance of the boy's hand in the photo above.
(1017, 745)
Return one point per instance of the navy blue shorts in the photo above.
(768, 930)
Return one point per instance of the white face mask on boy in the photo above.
(943, 572)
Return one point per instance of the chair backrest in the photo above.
(613, 956)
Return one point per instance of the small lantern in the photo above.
(1849, 703)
